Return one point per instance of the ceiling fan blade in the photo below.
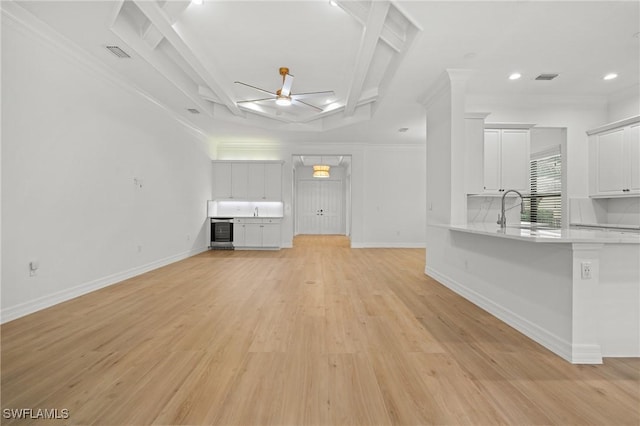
(311, 94)
(286, 85)
(309, 105)
(256, 100)
(254, 87)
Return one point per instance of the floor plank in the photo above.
(315, 335)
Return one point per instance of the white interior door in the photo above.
(308, 207)
(331, 211)
(320, 207)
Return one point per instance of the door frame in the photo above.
(346, 189)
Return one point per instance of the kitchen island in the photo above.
(574, 291)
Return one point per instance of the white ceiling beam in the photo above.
(371, 35)
(172, 9)
(395, 41)
(160, 20)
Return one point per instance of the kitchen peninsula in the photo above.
(575, 291)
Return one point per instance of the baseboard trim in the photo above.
(387, 245)
(14, 312)
(576, 354)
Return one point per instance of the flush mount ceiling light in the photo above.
(321, 171)
(515, 76)
(610, 76)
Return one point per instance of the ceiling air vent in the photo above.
(118, 52)
(193, 111)
(546, 77)
(403, 129)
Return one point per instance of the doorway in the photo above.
(321, 205)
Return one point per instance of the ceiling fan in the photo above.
(283, 96)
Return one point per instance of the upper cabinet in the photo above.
(614, 159)
(247, 180)
(506, 160)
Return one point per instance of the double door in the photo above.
(615, 162)
(506, 160)
(320, 207)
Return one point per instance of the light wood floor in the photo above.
(315, 335)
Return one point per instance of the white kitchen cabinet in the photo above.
(229, 180)
(239, 180)
(271, 234)
(247, 180)
(221, 181)
(256, 233)
(506, 160)
(273, 181)
(614, 159)
(265, 181)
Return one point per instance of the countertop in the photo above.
(245, 217)
(541, 235)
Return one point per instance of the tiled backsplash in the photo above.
(227, 208)
(481, 209)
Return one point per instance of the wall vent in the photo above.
(118, 52)
(193, 111)
(546, 77)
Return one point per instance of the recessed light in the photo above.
(610, 76)
(198, 2)
(515, 76)
(333, 3)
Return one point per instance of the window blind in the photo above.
(544, 205)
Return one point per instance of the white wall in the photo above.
(624, 105)
(98, 184)
(396, 199)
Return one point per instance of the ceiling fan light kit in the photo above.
(283, 100)
(283, 96)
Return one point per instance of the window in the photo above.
(544, 206)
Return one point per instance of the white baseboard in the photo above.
(387, 245)
(26, 308)
(576, 354)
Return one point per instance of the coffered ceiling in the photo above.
(376, 57)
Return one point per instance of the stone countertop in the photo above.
(546, 235)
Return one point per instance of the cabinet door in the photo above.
(491, 160)
(273, 181)
(253, 235)
(633, 144)
(255, 186)
(514, 161)
(610, 160)
(271, 235)
(239, 234)
(221, 181)
(239, 176)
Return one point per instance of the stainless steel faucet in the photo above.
(255, 212)
(502, 219)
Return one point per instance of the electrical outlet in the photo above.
(585, 270)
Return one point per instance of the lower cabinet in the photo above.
(256, 233)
